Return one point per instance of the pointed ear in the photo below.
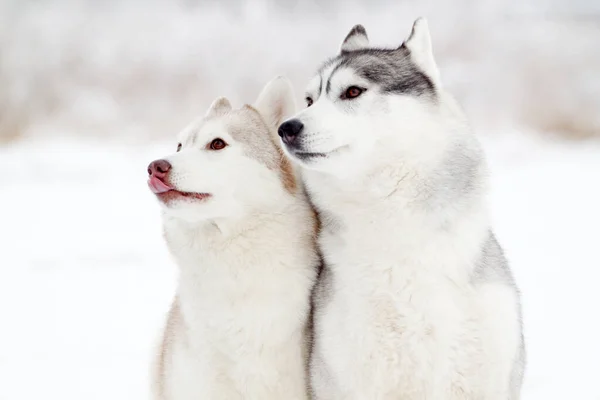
(219, 107)
(276, 102)
(355, 40)
(419, 44)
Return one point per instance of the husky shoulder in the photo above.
(411, 268)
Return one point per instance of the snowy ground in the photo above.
(85, 278)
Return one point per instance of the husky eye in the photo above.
(352, 92)
(309, 102)
(178, 146)
(217, 144)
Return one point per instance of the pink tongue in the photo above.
(157, 186)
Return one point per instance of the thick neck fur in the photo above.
(228, 267)
(425, 211)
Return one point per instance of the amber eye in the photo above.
(218, 144)
(309, 102)
(352, 92)
(179, 147)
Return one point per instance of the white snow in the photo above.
(85, 279)
(88, 86)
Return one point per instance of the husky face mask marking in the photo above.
(411, 265)
(362, 102)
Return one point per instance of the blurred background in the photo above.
(91, 92)
(137, 71)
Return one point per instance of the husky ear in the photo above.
(219, 107)
(419, 44)
(276, 102)
(355, 40)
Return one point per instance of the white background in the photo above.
(90, 94)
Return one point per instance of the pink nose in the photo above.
(159, 168)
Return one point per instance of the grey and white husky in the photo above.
(416, 299)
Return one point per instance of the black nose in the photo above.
(289, 130)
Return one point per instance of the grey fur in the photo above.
(356, 30)
(321, 297)
(456, 184)
(324, 288)
(454, 181)
(391, 69)
(493, 267)
(320, 84)
(351, 42)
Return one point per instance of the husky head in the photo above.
(366, 103)
(228, 162)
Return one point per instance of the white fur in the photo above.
(247, 263)
(419, 43)
(400, 317)
(356, 40)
